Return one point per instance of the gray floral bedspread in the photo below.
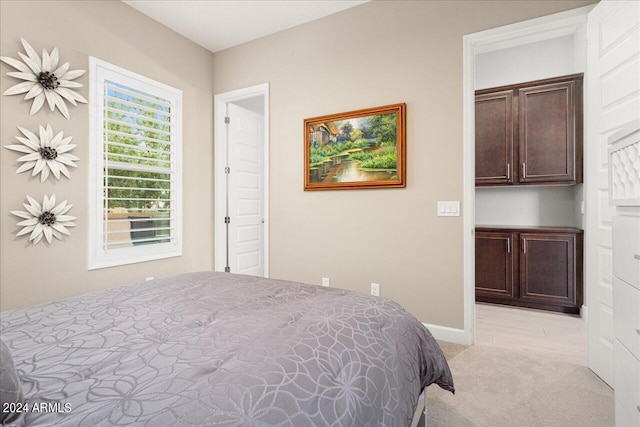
(221, 349)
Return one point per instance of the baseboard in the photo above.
(584, 313)
(444, 333)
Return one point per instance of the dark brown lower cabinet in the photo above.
(495, 265)
(535, 267)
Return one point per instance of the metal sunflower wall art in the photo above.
(44, 80)
(45, 219)
(45, 153)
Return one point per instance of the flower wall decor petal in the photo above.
(66, 94)
(19, 88)
(33, 202)
(32, 65)
(25, 167)
(37, 104)
(35, 91)
(24, 76)
(31, 52)
(50, 100)
(20, 148)
(21, 214)
(73, 74)
(59, 102)
(20, 66)
(62, 70)
(55, 57)
(46, 61)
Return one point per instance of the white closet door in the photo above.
(246, 191)
(613, 100)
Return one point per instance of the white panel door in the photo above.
(612, 100)
(246, 191)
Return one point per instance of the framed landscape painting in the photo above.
(357, 149)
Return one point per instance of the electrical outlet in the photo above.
(326, 282)
(149, 278)
(375, 289)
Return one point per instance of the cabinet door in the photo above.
(495, 265)
(547, 133)
(494, 138)
(548, 268)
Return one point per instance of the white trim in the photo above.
(445, 333)
(220, 155)
(520, 33)
(584, 313)
(97, 257)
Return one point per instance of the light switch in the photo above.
(449, 208)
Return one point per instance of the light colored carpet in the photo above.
(497, 387)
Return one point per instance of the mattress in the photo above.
(222, 349)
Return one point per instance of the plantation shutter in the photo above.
(138, 167)
(135, 186)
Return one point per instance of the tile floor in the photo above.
(560, 336)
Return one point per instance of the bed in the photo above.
(221, 349)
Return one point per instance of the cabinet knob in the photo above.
(637, 256)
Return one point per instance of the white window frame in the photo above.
(99, 257)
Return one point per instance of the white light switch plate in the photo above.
(449, 208)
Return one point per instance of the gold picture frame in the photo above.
(355, 150)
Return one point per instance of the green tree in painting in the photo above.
(383, 127)
(346, 129)
(357, 134)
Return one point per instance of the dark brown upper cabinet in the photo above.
(494, 128)
(530, 133)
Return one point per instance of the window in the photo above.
(135, 169)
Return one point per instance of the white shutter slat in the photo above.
(109, 86)
(137, 178)
(141, 158)
(150, 239)
(138, 116)
(142, 107)
(136, 147)
(144, 229)
(158, 210)
(136, 137)
(138, 199)
(136, 126)
(107, 187)
(140, 219)
(112, 165)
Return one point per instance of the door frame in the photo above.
(531, 31)
(220, 154)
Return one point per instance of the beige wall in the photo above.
(116, 33)
(376, 54)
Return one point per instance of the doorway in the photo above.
(611, 52)
(485, 43)
(241, 150)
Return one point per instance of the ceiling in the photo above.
(220, 24)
